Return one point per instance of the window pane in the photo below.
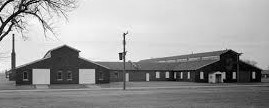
(25, 75)
(157, 74)
(201, 75)
(189, 75)
(253, 75)
(166, 74)
(59, 75)
(69, 75)
(234, 75)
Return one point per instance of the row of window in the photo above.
(59, 76)
(157, 74)
(224, 75)
(191, 59)
(201, 75)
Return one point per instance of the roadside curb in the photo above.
(130, 88)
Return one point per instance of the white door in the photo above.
(147, 76)
(86, 76)
(127, 77)
(41, 76)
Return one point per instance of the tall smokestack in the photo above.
(13, 58)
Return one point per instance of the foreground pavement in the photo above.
(137, 87)
(212, 96)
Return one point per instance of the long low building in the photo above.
(214, 67)
(63, 65)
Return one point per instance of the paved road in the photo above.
(138, 88)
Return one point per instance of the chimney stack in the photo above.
(13, 58)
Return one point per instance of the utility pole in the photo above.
(124, 54)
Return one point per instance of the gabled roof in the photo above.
(47, 55)
(265, 72)
(250, 64)
(93, 62)
(30, 63)
(204, 54)
(49, 52)
(192, 65)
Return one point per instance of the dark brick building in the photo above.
(61, 65)
(213, 67)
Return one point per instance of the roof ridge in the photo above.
(167, 57)
(60, 47)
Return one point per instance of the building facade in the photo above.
(209, 67)
(61, 65)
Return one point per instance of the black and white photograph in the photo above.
(134, 53)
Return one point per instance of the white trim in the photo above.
(59, 71)
(166, 74)
(157, 74)
(224, 75)
(181, 75)
(189, 75)
(27, 76)
(147, 77)
(201, 75)
(253, 75)
(127, 77)
(69, 79)
(234, 75)
(175, 75)
(93, 62)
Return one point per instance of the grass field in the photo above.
(212, 97)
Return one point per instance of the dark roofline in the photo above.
(35, 61)
(141, 65)
(61, 47)
(93, 62)
(250, 65)
(189, 55)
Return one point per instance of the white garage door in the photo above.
(41, 76)
(86, 76)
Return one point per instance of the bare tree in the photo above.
(15, 14)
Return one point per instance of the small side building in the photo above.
(61, 65)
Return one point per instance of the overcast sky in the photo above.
(157, 28)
